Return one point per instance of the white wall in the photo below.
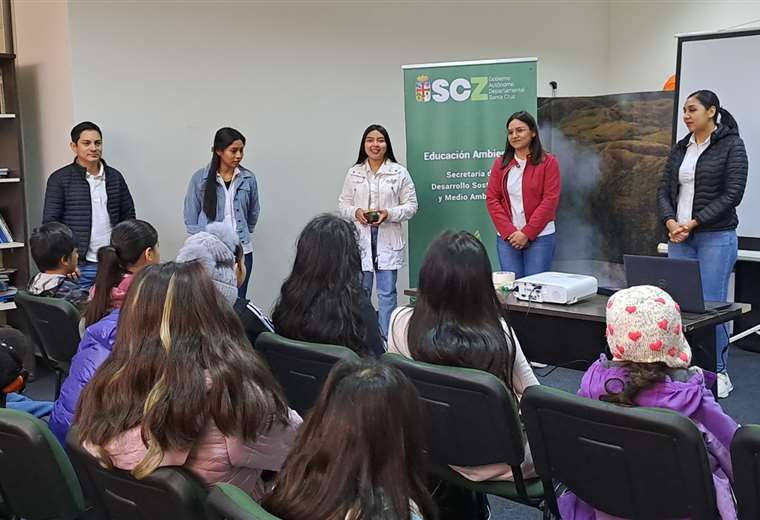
(43, 74)
(301, 81)
(642, 36)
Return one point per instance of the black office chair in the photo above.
(54, 323)
(37, 480)
(745, 459)
(228, 502)
(170, 492)
(300, 367)
(638, 463)
(471, 420)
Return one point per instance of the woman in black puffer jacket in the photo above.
(703, 182)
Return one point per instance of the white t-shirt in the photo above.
(522, 373)
(685, 206)
(514, 190)
(100, 231)
(229, 205)
(374, 188)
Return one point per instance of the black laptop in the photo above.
(678, 276)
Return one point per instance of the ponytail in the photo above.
(209, 193)
(222, 139)
(708, 98)
(641, 376)
(727, 119)
(129, 240)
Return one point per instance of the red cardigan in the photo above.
(541, 187)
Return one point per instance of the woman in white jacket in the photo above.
(378, 195)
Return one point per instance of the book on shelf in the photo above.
(8, 295)
(5, 231)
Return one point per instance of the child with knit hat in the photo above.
(218, 249)
(650, 367)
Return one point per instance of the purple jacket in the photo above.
(94, 348)
(684, 392)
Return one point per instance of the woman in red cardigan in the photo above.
(522, 199)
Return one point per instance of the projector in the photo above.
(550, 287)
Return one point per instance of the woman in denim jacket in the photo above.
(224, 191)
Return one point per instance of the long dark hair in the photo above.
(322, 299)
(222, 139)
(457, 320)
(359, 454)
(388, 149)
(641, 376)
(536, 150)
(181, 359)
(708, 98)
(129, 240)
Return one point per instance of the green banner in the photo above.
(455, 128)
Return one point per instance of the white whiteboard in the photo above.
(729, 65)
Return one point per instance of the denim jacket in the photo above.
(247, 207)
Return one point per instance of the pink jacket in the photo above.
(214, 457)
(119, 292)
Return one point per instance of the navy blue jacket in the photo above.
(67, 200)
(719, 181)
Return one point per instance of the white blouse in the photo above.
(685, 205)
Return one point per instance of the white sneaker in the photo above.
(536, 364)
(724, 385)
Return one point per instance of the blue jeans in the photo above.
(243, 289)
(536, 258)
(716, 252)
(386, 295)
(386, 288)
(87, 273)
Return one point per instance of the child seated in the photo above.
(219, 250)
(54, 250)
(183, 387)
(650, 367)
(360, 453)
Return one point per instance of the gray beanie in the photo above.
(215, 249)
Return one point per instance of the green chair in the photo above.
(54, 324)
(228, 502)
(745, 458)
(168, 493)
(471, 420)
(629, 462)
(300, 367)
(37, 480)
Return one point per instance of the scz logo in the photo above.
(460, 89)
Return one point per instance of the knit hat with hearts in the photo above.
(644, 326)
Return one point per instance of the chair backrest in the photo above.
(169, 492)
(37, 480)
(55, 323)
(471, 417)
(637, 463)
(745, 459)
(300, 367)
(228, 502)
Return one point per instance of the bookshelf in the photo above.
(14, 254)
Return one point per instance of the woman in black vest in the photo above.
(703, 183)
